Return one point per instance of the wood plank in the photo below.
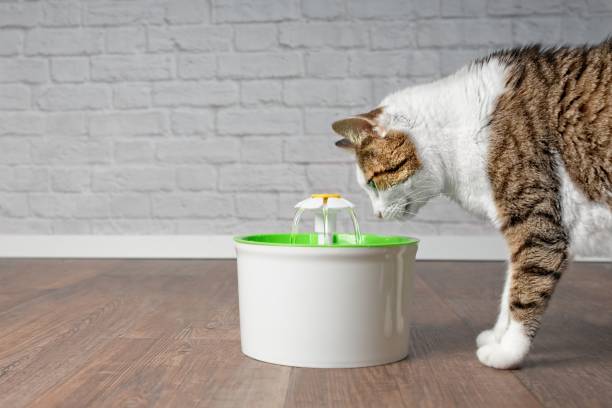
(166, 333)
(183, 352)
(571, 360)
(440, 371)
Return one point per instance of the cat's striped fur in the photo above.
(537, 130)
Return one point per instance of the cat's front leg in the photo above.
(539, 257)
(495, 334)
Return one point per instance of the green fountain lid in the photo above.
(339, 240)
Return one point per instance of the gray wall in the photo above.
(187, 116)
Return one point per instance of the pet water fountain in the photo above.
(323, 298)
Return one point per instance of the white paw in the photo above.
(509, 352)
(486, 337)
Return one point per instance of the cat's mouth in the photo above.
(399, 211)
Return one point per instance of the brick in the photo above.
(207, 205)
(131, 96)
(31, 71)
(391, 36)
(21, 123)
(14, 97)
(190, 38)
(70, 205)
(255, 37)
(383, 9)
(266, 149)
(260, 65)
(193, 123)
(245, 227)
(187, 12)
(73, 97)
(328, 176)
(390, 63)
(196, 178)
(256, 206)
(125, 40)
(61, 13)
(314, 35)
(260, 178)
(11, 42)
(312, 149)
(598, 28)
(132, 227)
(323, 9)
(463, 8)
(312, 92)
(599, 6)
(25, 226)
(318, 121)
(65, 124)
(70, 180)
(198, 94)
(215, 150)
(259, 121)
(71, 151)
(134, 151)
(70, 69)
(64, 41)
(381, 63)
(13, 205)
(537, 30)
(327, 64)
(14, 151)
(384, 86)
(452, 60)
(119, 12)
(286, 206)
(223, 225)
(423, 63)
(261, 92)
(131, 68)
(70, 227)
(573, 30)
(22, 14)
(253, 10)
(524, 7)
(126, 124)
(449, 33)
(133, 179)
(130, 205)
(196, 66)
(24, 179)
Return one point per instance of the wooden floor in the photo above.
(165, 333)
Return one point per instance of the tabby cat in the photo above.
(523, 138)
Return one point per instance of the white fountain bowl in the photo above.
(343, 305)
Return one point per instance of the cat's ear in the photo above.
(354, 130)
(345, 144)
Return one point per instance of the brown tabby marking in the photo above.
(558, 106)
(387, 160)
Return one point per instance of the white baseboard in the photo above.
(479, 248)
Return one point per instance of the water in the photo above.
(296, 224)
(355, 226)
(327, 238)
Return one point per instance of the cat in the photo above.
(523, 138)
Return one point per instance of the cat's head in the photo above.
(390, 167)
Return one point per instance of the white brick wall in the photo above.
(212, 116)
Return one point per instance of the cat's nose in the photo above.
(379, 214)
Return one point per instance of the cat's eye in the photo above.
(372, 184)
